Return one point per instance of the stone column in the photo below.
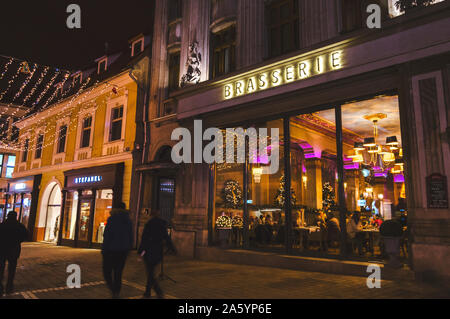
(250, 33)
(318, 21)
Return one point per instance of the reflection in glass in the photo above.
(314, 181)
(85, 216)
(70, 215)
(103, 206)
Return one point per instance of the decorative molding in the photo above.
(193, 64)
(95, 161)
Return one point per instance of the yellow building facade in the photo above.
(74, 161)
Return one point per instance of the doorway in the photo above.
(166, 198)
(52, 209)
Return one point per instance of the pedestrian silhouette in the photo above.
(12, 234)
(151, 249)
(117, 243)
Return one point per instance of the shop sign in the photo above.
(437, 193)
(21, 186)
(284, 73)
(88, 179)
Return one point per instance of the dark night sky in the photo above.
(36, 30)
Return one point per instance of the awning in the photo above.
(158, 167)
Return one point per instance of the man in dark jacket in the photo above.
(151, 249)
(12, 234)
(117, 242)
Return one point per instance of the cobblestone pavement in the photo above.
(41, 274)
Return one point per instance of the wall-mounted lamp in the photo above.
(257, 172)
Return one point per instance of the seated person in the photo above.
(377, 221)
(333, 228)
(354, 228)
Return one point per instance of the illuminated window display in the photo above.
(90, 194)
(103, 206)
(22, 198)
(70, 215)
(253, 204)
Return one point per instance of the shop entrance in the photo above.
(52, 209)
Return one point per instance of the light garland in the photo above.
(47, 88)
(6, 67)
(25, 83)
(10, 82)
(41, 78)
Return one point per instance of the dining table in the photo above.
(373, 234)
(305, 234)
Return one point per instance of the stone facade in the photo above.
(409, 55)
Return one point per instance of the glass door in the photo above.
(85, 221)
(166, 198)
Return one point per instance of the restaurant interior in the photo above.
(374, 184)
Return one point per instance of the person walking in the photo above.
(151, 249)
(12, 234)
(117, 243)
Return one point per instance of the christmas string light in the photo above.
(25, 83)
(41, 78)
(48, 86)
(60, 87)
(71, 127)
(10, 83)
(6, 67)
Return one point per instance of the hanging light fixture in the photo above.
(257, 172)
(371, 154)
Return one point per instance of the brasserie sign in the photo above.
(283, 73)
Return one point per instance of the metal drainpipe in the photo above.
(144, 148)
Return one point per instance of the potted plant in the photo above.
(237, 224)
(223, 226)
(391, 232)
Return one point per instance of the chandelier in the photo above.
(380, 157)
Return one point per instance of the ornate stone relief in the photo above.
(193, 64)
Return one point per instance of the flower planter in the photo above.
(392, 248)
(224, 236)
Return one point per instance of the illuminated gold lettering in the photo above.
(228, 91)
(336, 60)
(251, 87)
(262, 81)
(239, 88)
(276, 79)
(319, 64)
(289, 73)
(303, 69)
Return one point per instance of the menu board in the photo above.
(437, 191)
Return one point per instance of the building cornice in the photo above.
(91, 162)
(120, 81)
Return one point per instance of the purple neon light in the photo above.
(399, 178)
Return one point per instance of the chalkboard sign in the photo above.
(437, 191)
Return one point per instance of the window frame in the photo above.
(25, 153)
(133, 44)
(171, 86)
(293, 21)
(120, 101)
(105, 59)
(8, 166)
(219, 49)
(179, 10)
(38, 135)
